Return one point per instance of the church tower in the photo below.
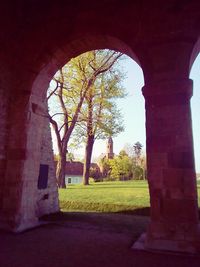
(109, 153)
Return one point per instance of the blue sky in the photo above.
(133, 110)
(195, 107)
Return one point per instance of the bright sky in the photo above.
(133, 110)
(195, 107)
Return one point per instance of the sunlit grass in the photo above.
(107, 196)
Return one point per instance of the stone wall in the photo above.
(47, 200)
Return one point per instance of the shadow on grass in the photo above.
(102, 207)
(139, 211)
(102, 222)
(91, 187)
(81, 215)
(133, 223)
(66, 215)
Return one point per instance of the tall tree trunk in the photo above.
(60, 170)
(88, 156)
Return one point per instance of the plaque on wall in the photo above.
(43, 176)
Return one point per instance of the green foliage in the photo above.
(122, 154)
(94, 173)
(105, 167)
(84, 91)
(95, 72)
(100, 109)
(124, 167)
(121, 167)
(91, 180)
(137, 149)
(138, 173)
(56, 157)
(70, 156)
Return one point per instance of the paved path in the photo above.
(95, 241)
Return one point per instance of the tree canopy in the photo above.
(85, 89)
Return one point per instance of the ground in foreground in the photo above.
(86, 240)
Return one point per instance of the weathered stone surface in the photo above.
(174, 197)
(47, 199)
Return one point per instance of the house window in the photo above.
(69, 180)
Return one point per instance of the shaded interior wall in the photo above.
(3, 137)
(47, 199)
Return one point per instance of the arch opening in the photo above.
(134, 90)
(194, 75)
(133, 86)
(37, 104)
(72, 49)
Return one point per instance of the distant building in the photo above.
(73, 179)
(74, 169)
(109, 152)
(74, 172)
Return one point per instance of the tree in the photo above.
(139, 168)
(70, 156)
(128, 148)
(137, 151)
(121, 167)
(100, 117)
(104, 167)
(123, 154)
(138, 160)
(63, 122)
(71, 85)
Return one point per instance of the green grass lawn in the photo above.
(107, 197)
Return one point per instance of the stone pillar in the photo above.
(174, 222)
(22, 202)
(18, 205)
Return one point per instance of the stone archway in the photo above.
(38, 96)
(31, 149)
(163, 42)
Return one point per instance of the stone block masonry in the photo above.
(47, 198)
